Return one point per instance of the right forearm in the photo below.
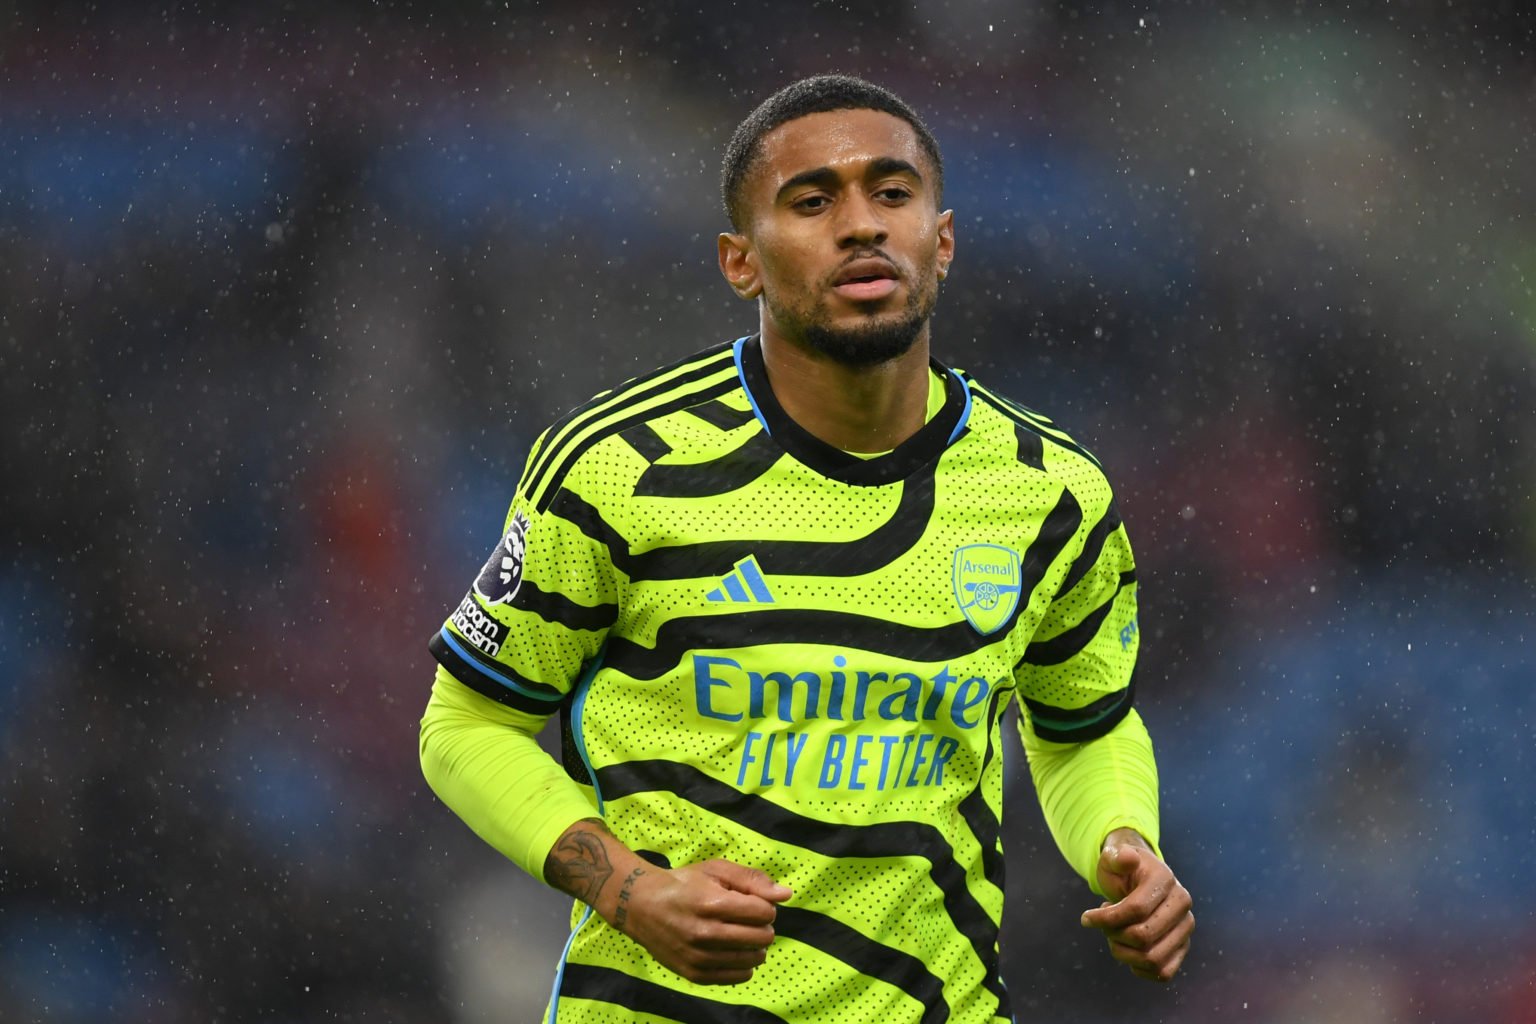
(711, 923)
(483, 762)
(591, 864)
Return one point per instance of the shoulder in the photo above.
(1037, 443)
(613, 435)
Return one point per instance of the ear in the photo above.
(946, 242)
(739, 265)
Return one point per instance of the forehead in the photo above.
(839, 139)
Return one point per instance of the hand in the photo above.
(1149, 923)
(711, 923)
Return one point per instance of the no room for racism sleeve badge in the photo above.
(503, 572)
(987, 585)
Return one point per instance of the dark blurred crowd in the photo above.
(284, 298)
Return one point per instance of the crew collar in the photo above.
(945, 427)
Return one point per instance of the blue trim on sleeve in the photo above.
(742, 375)
(554, 992)
(577, 707)
(507, 681)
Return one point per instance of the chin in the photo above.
(869, 343)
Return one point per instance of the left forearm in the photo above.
(1090, 790)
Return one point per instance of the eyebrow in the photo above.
(825, 177)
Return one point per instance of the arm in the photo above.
(1090, 755)
(1100, 800)
(710, 923)
(481, 759)
(1091, 788)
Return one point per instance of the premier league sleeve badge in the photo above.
(502, 574)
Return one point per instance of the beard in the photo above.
(876, 338)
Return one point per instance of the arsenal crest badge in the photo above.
(987, 585)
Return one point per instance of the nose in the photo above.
(860, 222)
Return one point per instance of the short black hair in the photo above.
(815, 95)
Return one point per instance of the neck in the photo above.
(858, 409)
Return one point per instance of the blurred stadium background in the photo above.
(285, 293)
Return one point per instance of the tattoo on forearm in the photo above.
(621, 914)
(579, 864)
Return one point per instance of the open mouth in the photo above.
(865, 288)
(866, 280)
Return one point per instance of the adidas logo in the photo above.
(743, 586)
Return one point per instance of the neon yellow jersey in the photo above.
(767, 650)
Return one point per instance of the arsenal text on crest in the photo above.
(987, 583)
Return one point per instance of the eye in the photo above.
(893, 193)
(812, 203)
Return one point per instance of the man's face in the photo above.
(845, 244)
